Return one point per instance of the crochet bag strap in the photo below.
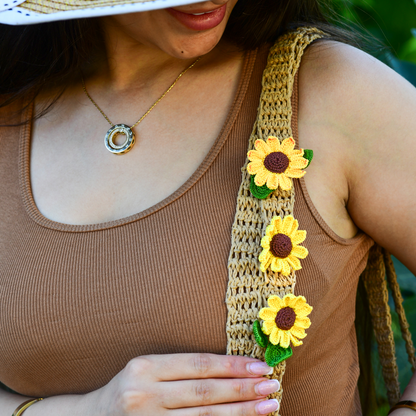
(249, 287)
(379, 267)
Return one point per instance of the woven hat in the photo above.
(26, 12)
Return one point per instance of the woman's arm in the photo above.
(409, 394)
(361, 115)
(360, 118)
(65, 404)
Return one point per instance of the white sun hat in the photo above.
(26, 12)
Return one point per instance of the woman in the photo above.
(110, 259)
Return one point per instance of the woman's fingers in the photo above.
(253, 408)
(202, 366)
(204, 392)
(188, 385)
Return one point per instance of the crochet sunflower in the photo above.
(281, 249)
(284, 322)
(273, 164)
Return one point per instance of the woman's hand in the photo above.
(187, 385)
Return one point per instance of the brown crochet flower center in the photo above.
(285, 318)
(281, 246)
(276, 162)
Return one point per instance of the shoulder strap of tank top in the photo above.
(249, 287)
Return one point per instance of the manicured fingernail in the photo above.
(259, 369)
(267, 387)
(266, 407)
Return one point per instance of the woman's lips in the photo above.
(203, 21)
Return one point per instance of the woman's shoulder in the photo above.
(360, 114)
(356, 98)
(350, 87)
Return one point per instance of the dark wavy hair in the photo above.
(33, 56)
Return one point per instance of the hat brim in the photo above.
(18, 15)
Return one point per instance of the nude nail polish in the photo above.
(266, 407)
(259, 368)
(267, 387)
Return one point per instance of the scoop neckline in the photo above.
(24, 164)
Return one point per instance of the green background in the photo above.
(393, 24)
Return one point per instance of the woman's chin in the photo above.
(193, 48)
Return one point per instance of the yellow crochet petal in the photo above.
(287, 145)
(290, 300)
(274, 144)
(294, 173)
(298, 237)
(294, 262)
(276, 264)
(303, 311)
(266, 260)
(298, 162)
(276, 224)
(275, 303)
(270, 232)
(275, 336)
(261, 176)
(264, 266)
(268, 327)
(288, 225)
(265, 242)
(299, 251)
(299, 302)
(284, 338)
(296, 153)
(285, 182)
(254, 167)
(262, 147)
(285, 267)
(255, 156)
(295, 341)
(298, 332)
(302, 322)
(267, 314)
(273, 181)
(265, 255)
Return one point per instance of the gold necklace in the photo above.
(124, 129)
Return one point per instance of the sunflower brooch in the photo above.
(281, 249)
(274, 164)
(284, 322)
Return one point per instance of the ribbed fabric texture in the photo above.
(78, 302)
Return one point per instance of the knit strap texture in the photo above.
(379, 272)
(248, 287)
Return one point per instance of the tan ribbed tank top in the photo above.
(78, 302)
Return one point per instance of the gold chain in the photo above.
(151, 108)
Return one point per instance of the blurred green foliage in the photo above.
(393, 23)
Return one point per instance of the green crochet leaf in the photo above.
(308, 154)
(261, 338)
(275, 354)
(260, 192)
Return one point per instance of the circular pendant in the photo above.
(113, 132)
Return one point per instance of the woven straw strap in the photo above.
(398, 300)
(249, 288)
(379, 265)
